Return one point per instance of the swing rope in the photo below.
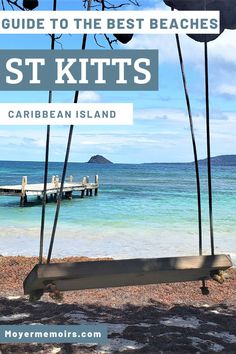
(208, 148)
(193, 142)
(208, 137)
(204, 288)
(76, 96)
(70, 135)
(44, 201)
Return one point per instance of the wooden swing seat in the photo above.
(127, 272)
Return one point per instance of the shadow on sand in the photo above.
(149, 329)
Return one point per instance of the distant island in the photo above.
(221, 160)
(229, 160)
(99, 159)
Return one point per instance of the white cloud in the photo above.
(226, 89)
(224, 47)
(89, 96)
(160, 114)
(119, 139)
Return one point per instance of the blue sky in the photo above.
(161, 131)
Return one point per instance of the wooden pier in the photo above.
(25, 190)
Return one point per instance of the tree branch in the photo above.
(13, 3)
(100, 5)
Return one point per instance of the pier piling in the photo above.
(26, 190)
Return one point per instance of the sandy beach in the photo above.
(164, 318)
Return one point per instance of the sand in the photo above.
(163, 318)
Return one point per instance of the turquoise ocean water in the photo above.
(147, 210)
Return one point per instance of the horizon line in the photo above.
(121, 163)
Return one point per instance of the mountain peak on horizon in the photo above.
(99, 159)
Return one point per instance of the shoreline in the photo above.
(157, 245)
